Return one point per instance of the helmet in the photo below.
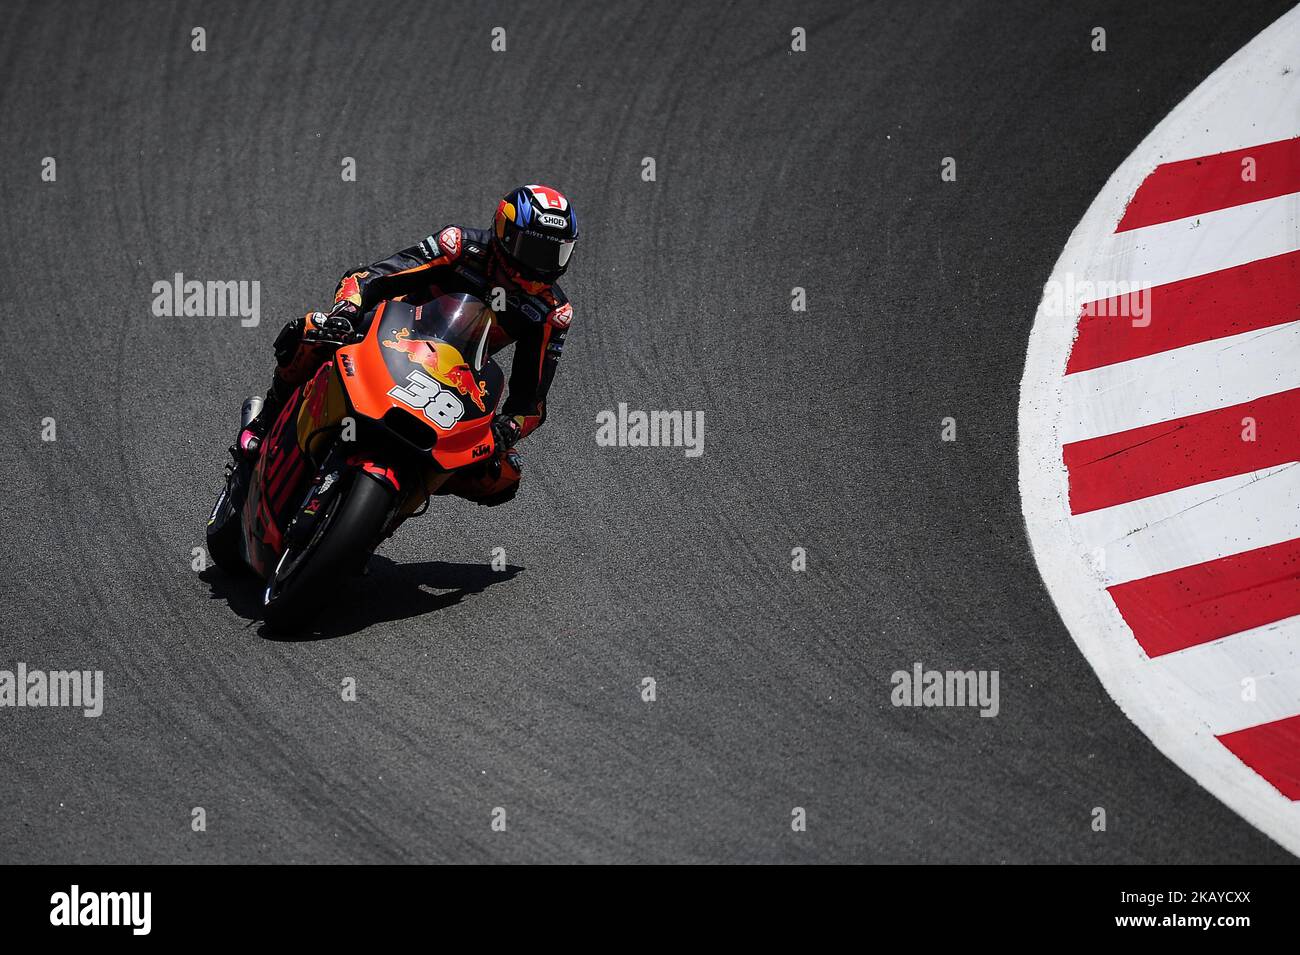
(534, 230)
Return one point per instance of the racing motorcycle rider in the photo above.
(528, 248)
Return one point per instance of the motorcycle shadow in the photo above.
(389, 592)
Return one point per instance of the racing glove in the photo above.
(505, 431)
(336, 327)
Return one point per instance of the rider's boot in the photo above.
(296, 360)
(258, 414)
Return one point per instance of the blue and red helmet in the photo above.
(534, 230)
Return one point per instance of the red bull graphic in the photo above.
(442, 362)
(350, 288)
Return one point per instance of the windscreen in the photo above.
(459, 320)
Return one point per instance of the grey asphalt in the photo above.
(521, 689)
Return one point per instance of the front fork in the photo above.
(332, 478)
(339, 468)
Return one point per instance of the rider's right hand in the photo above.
(335, 328)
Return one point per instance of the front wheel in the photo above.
(308, 574)
(225, 524)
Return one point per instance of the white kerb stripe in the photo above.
(1110, 525)
(1180, 382)
(1213, 673)
(1182, 249)
(1248, 516)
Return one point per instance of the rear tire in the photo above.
(307, 579)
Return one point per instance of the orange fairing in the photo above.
(465, 443)
(367, 388)
(370, 382)
(323, 406)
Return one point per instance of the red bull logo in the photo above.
(350, 288)
(441, 362)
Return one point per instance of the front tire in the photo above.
(307, 577)
(225, 525)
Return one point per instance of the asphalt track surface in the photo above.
(520, 689)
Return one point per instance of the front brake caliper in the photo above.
(315, 503)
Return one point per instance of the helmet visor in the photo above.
(539, 252)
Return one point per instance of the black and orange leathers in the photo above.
(534, 316)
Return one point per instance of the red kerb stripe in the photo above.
(1193, 605)
(1155, 458)
(1176, 190)
(1273, 751)
(1259, 294)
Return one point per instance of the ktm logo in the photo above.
(482, 450)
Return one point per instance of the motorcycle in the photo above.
(402, 411)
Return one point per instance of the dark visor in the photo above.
(541, 252)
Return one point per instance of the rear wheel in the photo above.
(309, 573)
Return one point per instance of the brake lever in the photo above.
(317, 337)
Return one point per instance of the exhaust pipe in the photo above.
(252, 408)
